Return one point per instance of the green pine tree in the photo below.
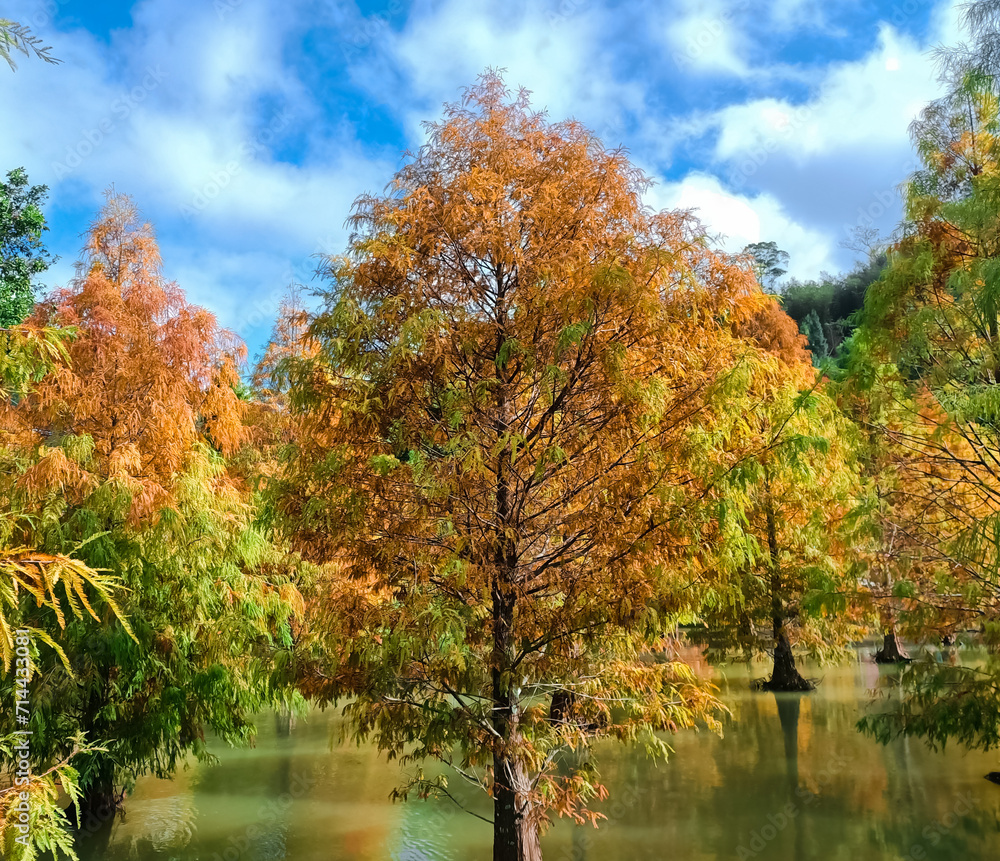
(812, 328)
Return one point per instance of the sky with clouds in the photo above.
(245, 129)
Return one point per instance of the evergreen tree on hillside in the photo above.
(812, 328)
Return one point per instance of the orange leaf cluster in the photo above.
(149, 375)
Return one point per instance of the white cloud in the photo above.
(184, 111)
(835, 159)
(738, 220)
(856, 104)
(791, 14)
(176, 109)
(557, 51)
(706, 37)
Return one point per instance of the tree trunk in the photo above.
(99, 801)
(785, 676)
(515, 822)
(515, 828)
(891, 652)
(284, 722)
(562, 706)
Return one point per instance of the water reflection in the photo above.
(792, 779)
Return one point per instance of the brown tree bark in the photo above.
(891, 652)
(515, 829)
(784, 676)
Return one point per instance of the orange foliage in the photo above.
(497, 429)
(774, 331)
(149, 374)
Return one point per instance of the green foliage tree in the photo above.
(769, 262)
(929, 345)
(22, 253)
(782, 574)
(835, 300)
(118, 458)
(31, 818)
(812, 328)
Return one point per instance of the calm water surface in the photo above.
(791, 779)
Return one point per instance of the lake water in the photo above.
(791, 779)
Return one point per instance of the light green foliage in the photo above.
(926, 369)
(68, 590)
(207, 624)
(47, 833)
(940, 702)
(791, 462)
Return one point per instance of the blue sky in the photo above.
(244, 129)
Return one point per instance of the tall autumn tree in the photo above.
(269, 424)
(784, 482)
(118, 458)
(928, 352)
(31, 817)
(516, 365)
(930, 344)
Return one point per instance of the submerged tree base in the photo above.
(892, 652)
(99, 805)
(785, 676)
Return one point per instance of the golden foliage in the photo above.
(497, 426)
(40, 575)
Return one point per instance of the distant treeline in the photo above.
(826, 309)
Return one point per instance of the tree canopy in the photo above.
(516, 367)
(22, 252)
(116, 457)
